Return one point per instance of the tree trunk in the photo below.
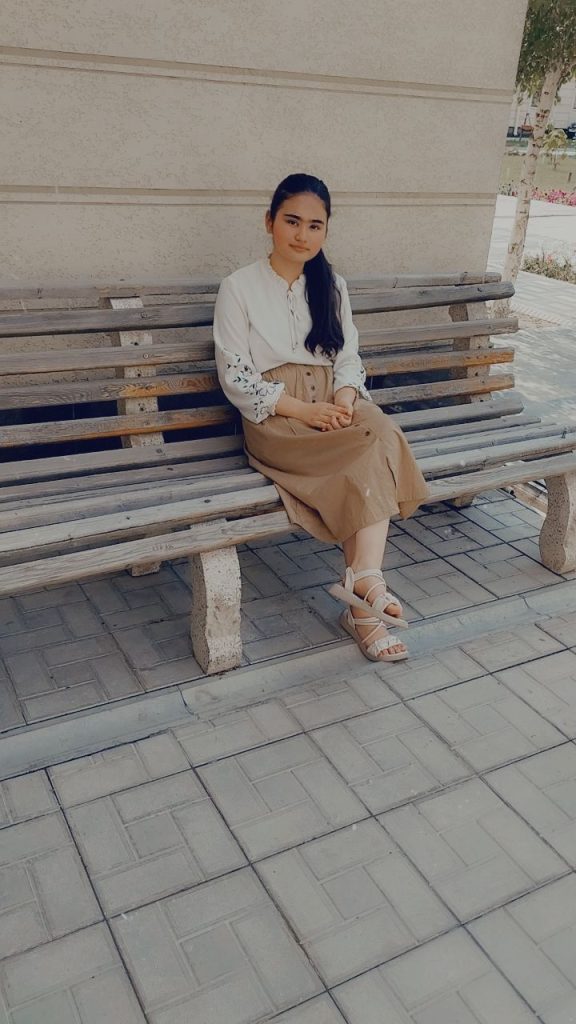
(526, 187)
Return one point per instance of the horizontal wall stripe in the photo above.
(69, 195)
(150, 68)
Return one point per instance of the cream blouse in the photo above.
(260, 323)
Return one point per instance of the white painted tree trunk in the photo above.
(526, 187)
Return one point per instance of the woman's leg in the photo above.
(366, 548)
(349, 549)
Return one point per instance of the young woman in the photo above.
(287, 358)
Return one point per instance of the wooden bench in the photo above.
(158, 472)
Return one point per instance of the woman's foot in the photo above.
(372, 638)
(370, 588)
(365, 589)
(365, 631)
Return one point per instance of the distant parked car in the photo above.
(570, 131)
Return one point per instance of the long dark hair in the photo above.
(321, 291)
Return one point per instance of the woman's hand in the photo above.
(346, 397)
(325, 415)
(320, 415)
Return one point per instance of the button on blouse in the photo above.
(260, 323)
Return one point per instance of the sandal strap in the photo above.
(384, 601)
(379, 603)
(384, 643)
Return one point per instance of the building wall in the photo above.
(143, 141)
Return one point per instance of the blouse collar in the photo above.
(297, 286)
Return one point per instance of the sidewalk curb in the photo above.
(32, 747)
(36, 746)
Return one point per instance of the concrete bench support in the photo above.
(558, 534)
(215, 625)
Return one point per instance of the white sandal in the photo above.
(374, 650)
(345, 592)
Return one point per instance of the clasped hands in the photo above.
(321, 415)
(332, 415)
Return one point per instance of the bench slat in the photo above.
(114, 426)
(84, 565)
(458, 429)
(28, 543)
(143, 423)
(119, 460)
(163, 354)
(90, 321)
(491, 479)
(71, 392)
(193, 287)
(469, 460)
(486, 439)
(419, 362)
(442, 389)
(60, 489)
(492, 408)
(62, 509)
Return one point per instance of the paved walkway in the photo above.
(552, 227)
(392, 845)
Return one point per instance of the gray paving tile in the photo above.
(280, 795)
(353, 900)
(160, 652)
(542, 789)
(474, 850)
(222, 955)
(274, 646)
(153, 840)
(61, 677)
(549, 686)
(501, 650)
(44, 890)
(447, 981)
(502, 571)
(485, 723)
(236, 731)
(78, 979)
(388, 757)
(532, 942)
(25, 797)
(430, 673)
(436, 587)
(562, 627)
(333, 700)
(111, 771)
(318, 1011)
(10, 708)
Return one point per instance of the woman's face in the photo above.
(299, 228)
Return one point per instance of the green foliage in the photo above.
(555, 146)
(549, 41)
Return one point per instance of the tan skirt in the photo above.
(334, 482)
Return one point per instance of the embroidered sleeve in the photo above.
(348, 368)
(241, 382)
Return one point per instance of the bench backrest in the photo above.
(139, 388)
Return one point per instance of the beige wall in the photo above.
(142, 140)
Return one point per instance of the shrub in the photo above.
(552, 195)
(560, 268)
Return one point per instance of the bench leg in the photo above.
(558, 534)
(215, 626)
(464, 501)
